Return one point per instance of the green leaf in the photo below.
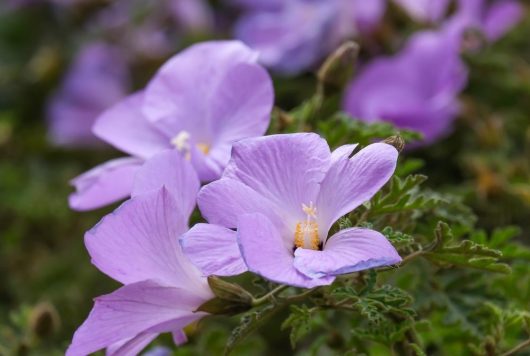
(248, 324)
(299, 321)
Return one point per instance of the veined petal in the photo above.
(169, 169)
(104, 184)
(285, 169)
(139, 241)
(131, 346)
(177, 98)
(223, 201)
(242, 105)
(125, 127)
(351, 182)
(265, 254)
(131, 311)
(348, 251)
(213, 249)
(343, 151)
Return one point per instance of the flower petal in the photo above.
(176, 96)
(213, 249)
(223, 201)
(131, 346)
(351, 182)
(348, 251)
(343, 151)
(169, 169)
(139, 241)
(132, 310)
(242, 104)
(265, 254)
(125, 127)
(104, 184)
(501, 17)
(285, 169)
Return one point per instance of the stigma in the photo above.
(306, 232)
(182, 143)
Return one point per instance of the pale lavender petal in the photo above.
(192, 15)
(213, 249)
(97, 78)
(367, 14)
(179, 338)
(290, 38)
(243, 104)
(425, 10)
(404, 89)
(170, 103)
(131, 346)
(348, 251)
(285, 169)
(343, 151)
(208, 169)
(104, 184)
(351, 182)
(132, 310)
(169, 169)
(125, 127)
(264, 252)
(140, 241)
(223, 201)
(501, 17)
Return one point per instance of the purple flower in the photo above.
(294, 35)
(283, 193)
(97, 79)
(200, 102)
(493, 19)
(416, 89)
(137, 245)
(425, 10)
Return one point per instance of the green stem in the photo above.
(261, 300)
(517, 348)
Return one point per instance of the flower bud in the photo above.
(338, 67)
(229, 298)
(44, 320)
(397, 141)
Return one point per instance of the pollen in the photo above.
(306, 235)
(204, 148)
(306, 232)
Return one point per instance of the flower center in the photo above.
(182, 143)
(306, 232)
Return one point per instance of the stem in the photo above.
(517, 348)
(261, 300)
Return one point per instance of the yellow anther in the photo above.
(204, 148)
(306, 235)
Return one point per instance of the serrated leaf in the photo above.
(248, 323)
(299, 321)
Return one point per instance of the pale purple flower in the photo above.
(294, 35)
(493, 18)
(97, 79)
(425, 10)
(283, 193)
(199, 103)
(416, 89)
(137, 245)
